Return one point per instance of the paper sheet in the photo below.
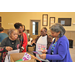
(13, 51)
(7, 58)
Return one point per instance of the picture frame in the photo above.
(51, 21)
(0, 19)
(45, 20)
(65, 21)
(0, 24)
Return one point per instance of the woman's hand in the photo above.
(33, 41)
(8, 48)
(42, 56)
(44, 51)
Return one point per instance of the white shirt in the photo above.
(41, 44)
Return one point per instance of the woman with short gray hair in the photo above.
(9, 43)
(59, 49)
(58, 28)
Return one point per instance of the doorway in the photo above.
(35, 27)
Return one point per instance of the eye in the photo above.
(52, 33)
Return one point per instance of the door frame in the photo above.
(39, 27)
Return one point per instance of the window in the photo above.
(35, 28)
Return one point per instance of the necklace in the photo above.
(12, 42)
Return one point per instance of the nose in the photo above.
(16, 36)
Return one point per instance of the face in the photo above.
(43, 32)
(20, 29)
(14, 35)
(54, 34)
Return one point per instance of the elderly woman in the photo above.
(9, 43)
(59, 49)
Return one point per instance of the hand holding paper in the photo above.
(42, 56)
(44, 51)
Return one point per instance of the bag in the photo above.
(6, 58)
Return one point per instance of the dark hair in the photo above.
(1, 29)
(58, 27)
(17, 25)
(45, 29)
(24, 28)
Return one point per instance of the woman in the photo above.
(22, 36)
(42, 42)
(59, 49)
(9, 43)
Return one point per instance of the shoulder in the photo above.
(5, 34)
(17, 41)
(63, 39)
(24, 34)
(48, 36)
(5, 40)
(1, 34)
(37, 37)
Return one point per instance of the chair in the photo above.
(70, 43)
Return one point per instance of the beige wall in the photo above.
(9, 18)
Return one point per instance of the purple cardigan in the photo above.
(61, 51)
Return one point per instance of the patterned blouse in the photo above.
(53, 47)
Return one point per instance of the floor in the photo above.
(72, 53)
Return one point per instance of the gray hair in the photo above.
(58, 27)
(10, 31)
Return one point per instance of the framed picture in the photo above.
(0, 24)
(45, 20)
(65, 21)
(0, 19)
(52, 20)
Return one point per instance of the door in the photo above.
(35, 27)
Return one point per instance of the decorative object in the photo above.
(0, 24)
(52, 20)
(65, 21)
(0, 19)
(45, 20)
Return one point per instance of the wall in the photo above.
(9, 18)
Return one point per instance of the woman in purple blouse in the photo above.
(59, 49)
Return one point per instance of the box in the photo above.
(31, 48)
(17, 56)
